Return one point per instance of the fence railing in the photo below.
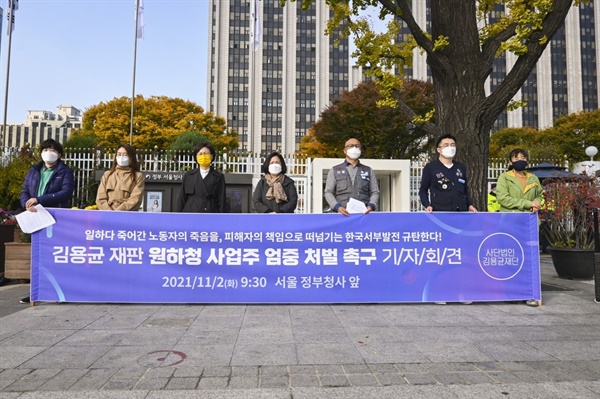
(85, 163)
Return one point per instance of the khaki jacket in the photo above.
(117, 192)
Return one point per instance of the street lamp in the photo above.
(591, 152)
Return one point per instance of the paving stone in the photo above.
(333, 380)
(63, 380)
(362, 380)
(384, 368)
(9, 376)
(329, 369)
(503, 376)
(182, 383)
(216, 372)
(391, 379)
(477, 378)
(274, 381)
(462, 367)
(160, 372)
(436, 367)
(407, 368)
(302, 370)
(151, 384)
(213, 382)
(420, 379)
(245, 371)
(273, 371)
(356, 369)
(120, 384)
(448, 378)
(95, 379)
(304, 380)
(131, 372)
(243, 382)
(188, 372)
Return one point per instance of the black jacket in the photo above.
(263, 205)
(202, 195)
(445, 189)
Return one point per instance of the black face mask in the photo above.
(519, 165)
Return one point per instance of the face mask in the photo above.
(49, 156)
(519, 165)
(449, 152)
(123, 161)
(203, 160)
(274, 169)
(353, 153)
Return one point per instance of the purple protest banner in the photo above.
(103, 256)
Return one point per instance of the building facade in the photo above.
(273, 95)
(42, 125)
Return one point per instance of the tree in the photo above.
(381, 129)
(158, 120)
(187, 141)
(568, 138)
(460, 51)
(571, 134)
(12, 176)
(79, 139)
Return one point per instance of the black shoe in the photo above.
(25, 300)
(3, 280)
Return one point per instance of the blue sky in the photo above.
(80, 53)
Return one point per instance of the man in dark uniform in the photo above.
(351, 179)
(444, 184)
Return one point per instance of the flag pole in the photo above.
(10, 28)
(135, 37)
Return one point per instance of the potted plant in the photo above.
(568, 224)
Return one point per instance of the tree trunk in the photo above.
(459, 75)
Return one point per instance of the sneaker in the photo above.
(25, 300)
(532, 302)
(440, 303)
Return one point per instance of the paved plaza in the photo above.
(483, 350)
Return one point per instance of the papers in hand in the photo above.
(30, 222)
(356, 206)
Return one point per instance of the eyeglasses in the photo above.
(354, 146)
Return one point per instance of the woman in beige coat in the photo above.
(122, 186)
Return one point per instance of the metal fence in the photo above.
(85, 163)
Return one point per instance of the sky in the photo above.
(80, 53)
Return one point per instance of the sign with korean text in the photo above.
(139, 257)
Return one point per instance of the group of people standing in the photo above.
(444, 183)
(444, 186)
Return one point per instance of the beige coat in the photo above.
(117, 192)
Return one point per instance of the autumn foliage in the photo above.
(383, 131)
(157, 122)
(569, 205)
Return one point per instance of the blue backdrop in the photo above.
(104, 256)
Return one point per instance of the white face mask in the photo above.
(353, 153)
(274, 169)
(449, 152)
(49, 156)
(123, 161)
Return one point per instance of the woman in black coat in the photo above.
(203, 189)
(275, 193)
